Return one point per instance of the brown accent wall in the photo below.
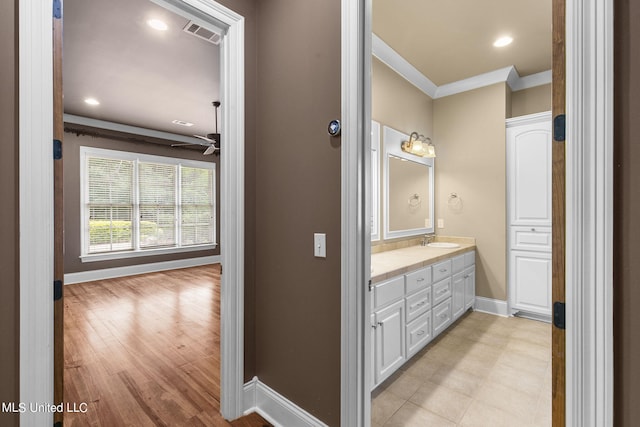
(9, 271)
(298, 194)
(72, 205)
(469, 135)
(626, 246)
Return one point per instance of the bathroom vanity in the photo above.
(416, 293)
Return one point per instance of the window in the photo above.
(136, 204)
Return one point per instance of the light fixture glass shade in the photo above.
(419, 145)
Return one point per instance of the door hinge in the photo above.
(57, 9)
(57, 149)
(370, 286)
(559, 127)
(558, 315)
(57, 290)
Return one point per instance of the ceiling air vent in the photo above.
(202, 33)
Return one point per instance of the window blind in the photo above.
(136, 202)
(196, 206)
(110, 205)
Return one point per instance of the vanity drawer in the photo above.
(469, 258)
(418, 304)
(389, 291)
(457, 264)
(441, 270)
(441, 291)
(418, 279)
(419, 333)
(441, 317)
(531, 238)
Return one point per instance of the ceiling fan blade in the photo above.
(210, 150)
(204, 138)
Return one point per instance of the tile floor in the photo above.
(484, 371)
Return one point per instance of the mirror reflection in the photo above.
(408, 195)
(409, 189)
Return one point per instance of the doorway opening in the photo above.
(37, 337)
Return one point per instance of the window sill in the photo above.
(144, 252)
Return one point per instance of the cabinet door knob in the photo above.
(533, 229)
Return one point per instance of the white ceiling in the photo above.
(450, 40)
(142, 77)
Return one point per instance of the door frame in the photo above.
(36, 203)
(589, 212)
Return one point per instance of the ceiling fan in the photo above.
(211, 140)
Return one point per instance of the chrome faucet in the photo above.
(427, 238)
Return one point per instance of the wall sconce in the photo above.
(419, 145)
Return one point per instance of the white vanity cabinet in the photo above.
(408, 311)
(390, 351)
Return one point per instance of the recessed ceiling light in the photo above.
(182, 123)
(92, 101)
(503, 41)
(157, 24)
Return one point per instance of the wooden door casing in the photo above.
(58, 216)
(558, 370)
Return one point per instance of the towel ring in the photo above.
(414, 200)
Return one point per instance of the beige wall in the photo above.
(398, 104)
(9, 290)
(529, 101)
(469, 135)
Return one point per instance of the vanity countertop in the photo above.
(393, 263)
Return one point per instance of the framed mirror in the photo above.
(375, 181)
(409, 189)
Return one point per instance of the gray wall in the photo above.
(297, 194)
(9, 290)
(72, 205)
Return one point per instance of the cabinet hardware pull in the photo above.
(533, 229)
(443, 291)
(420, 279)
(374, 326)
(466, 276)
(379, 323)
(443, 270)
(420, 332)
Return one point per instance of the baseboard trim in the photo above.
(110, 273)
(492, 306)
(275, 408)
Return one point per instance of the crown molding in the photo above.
(397, 63)
(508, 75)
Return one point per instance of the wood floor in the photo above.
(145, 351)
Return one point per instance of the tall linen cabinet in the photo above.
(529, 140)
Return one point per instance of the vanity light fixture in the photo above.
(419, 145)
(91, 101)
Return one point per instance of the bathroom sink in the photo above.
(443, 245)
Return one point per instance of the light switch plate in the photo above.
(320, 245)
(440, 223)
